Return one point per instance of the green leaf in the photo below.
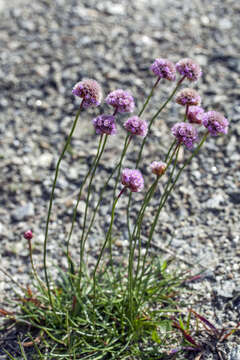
(155, 337)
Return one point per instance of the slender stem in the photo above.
(168, 192)
(126, 144)
(149, 97)
(143, 143)
(170, 149)
(138, 235)
(195, 152)
(176, 151)
(133, 242)
(40, 282)
(51, 202)
(155, 116)
(186, 113)
(109, 232)
(79, 196)
(104, 187)
(82, 242)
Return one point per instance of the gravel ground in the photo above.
(46, 47)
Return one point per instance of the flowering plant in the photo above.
(82, 308)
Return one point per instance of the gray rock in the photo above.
(23, 212)
(235, 353)
(226, 290)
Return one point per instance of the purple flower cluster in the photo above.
(105, 124)
(215, 122)
(190, 69)
(188, 96)
(132, 179)
(121, 100)
(185, 133)
(195, 114)
(158, 167)
(90, 91)
(136, 126)
(164, 68)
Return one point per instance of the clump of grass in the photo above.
(110, 311)
(82, 327)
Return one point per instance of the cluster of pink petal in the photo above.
(185, 133)
(190, 69)
(132, 179)
(90, 91)
(105, 124)
(195, 114)
(158, 167)
(121, 100)
(136, 126)
(188, 96)
(164, 68)
(215, 122)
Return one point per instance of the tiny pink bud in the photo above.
(28, 235)
(158, 167)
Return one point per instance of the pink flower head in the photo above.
(105, 124)
(215, 122)
(132, 179)
(158, 167)
(185, 133)
(90, 91)
(28, 235)
(121, 100)
(190, 69)
(164, 68)
(195, 114)
(136, 126)
(188, 96)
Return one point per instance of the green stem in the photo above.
(155, 116)
(168, 192)
(170, 149)
(104, 187)
(176, 151)
(126, 144)
(195, 152)
(109, 233)
(186, 113)
(79, 197)
(51, 202)
(82, 242)
(132, 246)
(149, 97)
(143, 143)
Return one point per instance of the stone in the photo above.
(23, 212)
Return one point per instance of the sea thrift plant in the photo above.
(215, 122)
(188, 97)
(195, 114)
(108, 310)
(121, 100)
(189, 68)
(164, 69)
(90, 91)
(185, 133)
(105, 124)
(132, 179)
(136, 126)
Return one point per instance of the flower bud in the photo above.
(28, 235)
(158, 167)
